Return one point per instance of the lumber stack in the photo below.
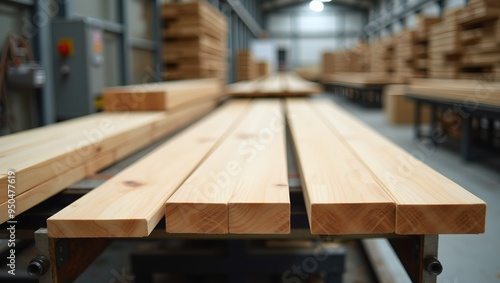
(444, 47)
(160, 96)
(352, 60)
(246, 66)
(382, 56)
(480, 40)
(49, 159)
(194, 38)
(411, 50)
(279, 84)
(351, 181)
(248, 194)
(262, 69)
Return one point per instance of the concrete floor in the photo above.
(466, 258)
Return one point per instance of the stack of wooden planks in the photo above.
(279, 84)
(262, 68)
(411, 49)
(352, 60)
(246, 66)
(228, 174)
(49, 159)
(444, 49)
(480, 40)
(382, 56)
(194, 38)
(160, 96)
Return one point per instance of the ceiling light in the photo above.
(316, 6)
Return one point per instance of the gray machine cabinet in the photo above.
(79, 74)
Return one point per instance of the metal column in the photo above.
(125, 42)
(40, 27)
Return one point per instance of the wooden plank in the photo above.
(341, 195)
(242, 193)
(272, 85)
(243, 88)
(467, 92)
(132, 203)
(43, 161)
(362, 79)
(426, 201)
(278, 84)
(160, 96)
(64, 178)
(295, 85)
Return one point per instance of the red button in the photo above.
(63, 48)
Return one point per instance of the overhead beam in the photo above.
(407, 9)
(278, 4)
(245, 16)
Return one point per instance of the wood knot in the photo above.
(132, 183)
(281, 185)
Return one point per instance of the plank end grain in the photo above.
(89, 228)
(259, 218)
(441, 219)
(197, 218)
(352, 218)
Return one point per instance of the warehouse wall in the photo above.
(139, 18)
(308, 34)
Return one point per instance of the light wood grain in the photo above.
(160, 96)
(357, 79)
(426, 201)
(341, 195)
(467, 93)
(132, 203)
(242, 186)
(277, 84)
(66, 175)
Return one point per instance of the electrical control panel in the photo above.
(78, 66)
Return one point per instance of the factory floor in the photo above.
(465, 258)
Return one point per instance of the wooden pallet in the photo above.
(228, 174)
